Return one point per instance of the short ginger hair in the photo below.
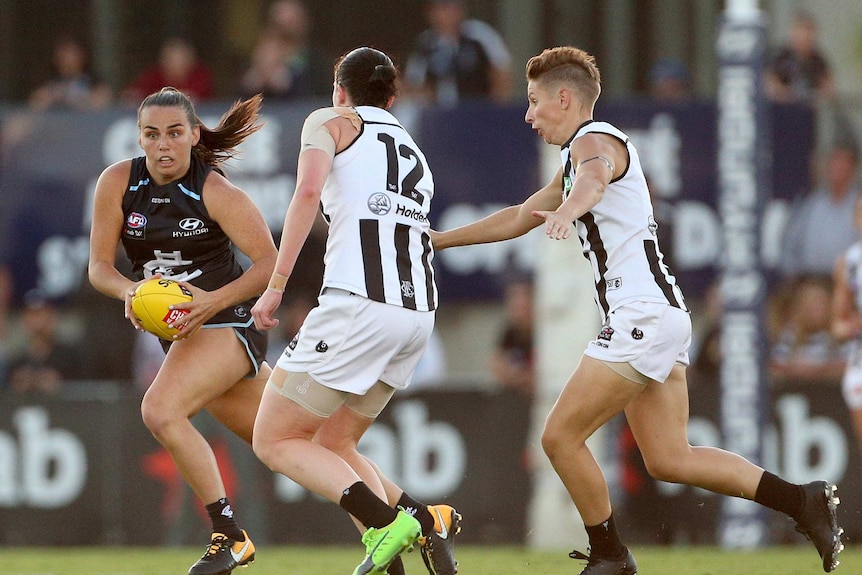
(567, 65)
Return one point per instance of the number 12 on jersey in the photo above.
(407, 186)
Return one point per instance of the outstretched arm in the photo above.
(505, 224)
(599, 159)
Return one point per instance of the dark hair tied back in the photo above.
(382, 73)
(368, 75)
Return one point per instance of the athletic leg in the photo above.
(658, 418)
(591, 397)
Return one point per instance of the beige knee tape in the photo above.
(373, 402)
(302, 389)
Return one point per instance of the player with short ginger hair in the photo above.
(636, 364)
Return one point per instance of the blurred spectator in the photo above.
(5, 300)
(71, 87)
(847, 323)
(799, 72)
(804, 348)
(820, 226)
(44, 361)
(670, 81)
(705, 350)
(284, 65)
(457, 58)
(109, 335)
(178, 66)
(512, 360)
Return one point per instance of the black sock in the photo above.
(221, 515)
(418, 510)
(775, 493)
(605, 540)
(370, 510)
(396, 567)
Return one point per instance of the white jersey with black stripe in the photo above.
(376, 201)
(853, 272)
(619, 234)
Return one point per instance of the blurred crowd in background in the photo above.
(453, 56)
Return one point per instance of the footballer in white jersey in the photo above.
(374, 315)
(619, 234)
(636, 365)
(376, 201)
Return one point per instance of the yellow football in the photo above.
(151, 306)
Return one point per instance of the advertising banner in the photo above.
(483, 158)
(93, 464)
(744, 156)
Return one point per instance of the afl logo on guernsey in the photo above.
(136, 221)
(136, 226)
(379, 204)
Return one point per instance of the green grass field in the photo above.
(474, 560)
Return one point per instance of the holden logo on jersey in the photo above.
(379, 204)
(190, 227)
(411, 213)
(637, 334)
(136, 226)
(407, 288)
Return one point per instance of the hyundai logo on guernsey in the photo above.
(136, 226)
(190, 227)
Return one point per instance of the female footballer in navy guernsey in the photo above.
(177, 216)
(637, 363)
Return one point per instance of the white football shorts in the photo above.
(851, 383)
(349, 342)
(651, 337)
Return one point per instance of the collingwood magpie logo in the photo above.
(637, 333)
(321, 347)
(379, 204)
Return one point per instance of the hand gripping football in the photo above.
(151, 305)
